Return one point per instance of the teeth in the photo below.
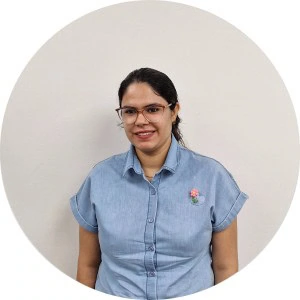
(145, 133)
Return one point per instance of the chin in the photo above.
(145, 147)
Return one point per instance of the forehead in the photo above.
(141, 94)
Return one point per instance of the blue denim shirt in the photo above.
(155, 237)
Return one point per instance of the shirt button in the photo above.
(151, 274)
(150, 220)
(151, 248)
(153, 192)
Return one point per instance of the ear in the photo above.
(175, 112)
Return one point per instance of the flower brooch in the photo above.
(196, 199)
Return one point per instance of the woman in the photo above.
(158, 221)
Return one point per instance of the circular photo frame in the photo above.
(60, 119)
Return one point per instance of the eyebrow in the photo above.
(152, 104)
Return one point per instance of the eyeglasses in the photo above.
(152, 113)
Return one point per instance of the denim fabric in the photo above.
(155, 240)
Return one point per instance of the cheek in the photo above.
(166, 126)
(127, 131)
(170, 121)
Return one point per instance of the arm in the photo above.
(89, 257)
(225, 253)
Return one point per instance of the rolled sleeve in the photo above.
(228, 202)
(235, 209)
(83, 209)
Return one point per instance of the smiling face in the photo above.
(150, 138)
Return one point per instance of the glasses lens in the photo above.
(153, 113)
(128, 115)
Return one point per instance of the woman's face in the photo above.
(148, 137)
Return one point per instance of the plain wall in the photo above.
(60, 119)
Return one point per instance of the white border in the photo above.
(26, 25)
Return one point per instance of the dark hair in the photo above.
(161, 85)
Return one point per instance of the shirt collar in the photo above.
(170, 164)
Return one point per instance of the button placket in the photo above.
(151, 248)
(150, 243)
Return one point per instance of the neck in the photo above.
(151, 162)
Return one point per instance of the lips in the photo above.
(144, 133)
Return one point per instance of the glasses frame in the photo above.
(142, 112)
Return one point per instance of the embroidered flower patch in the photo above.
(196, 199)
(194, 194)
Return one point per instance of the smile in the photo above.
(145, 133)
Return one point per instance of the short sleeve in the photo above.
(228, 200)
(82, 207)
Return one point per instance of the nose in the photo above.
(140, 119)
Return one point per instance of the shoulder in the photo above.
(112, 163)
(211, 166)
(198, 159)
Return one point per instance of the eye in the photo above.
(153, 109)
(129, 111)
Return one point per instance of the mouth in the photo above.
(145, 134)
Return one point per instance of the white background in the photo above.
(26, 26)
